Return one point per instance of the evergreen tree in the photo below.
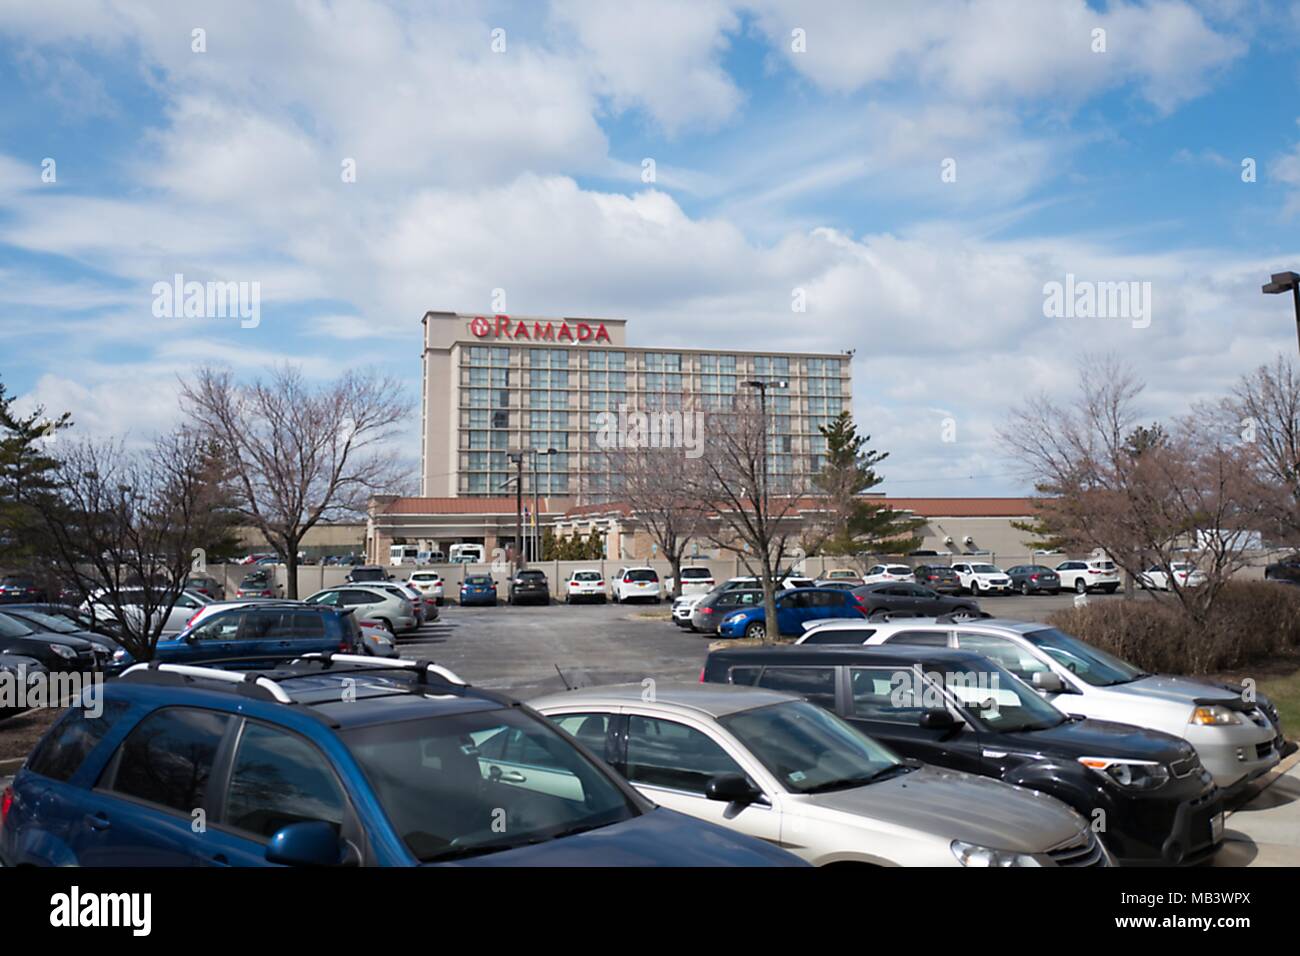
(858, 524)
(27, 478)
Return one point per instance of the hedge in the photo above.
(1250, 622)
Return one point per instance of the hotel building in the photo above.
(496, 384)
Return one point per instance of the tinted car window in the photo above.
(838, 636)
(302, 625)
(589, 729)
(924, 638)
(745, 676)
(1021, 663)
(12, 627)
(642, 575)
(220, 627)
(168, 758)
(278, 779)
(886, 693)
(664, 753)
(61, 754)
(815, 683)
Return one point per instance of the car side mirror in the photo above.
(731, 788)
(1048, 682)
(308, 843)
(938, 718)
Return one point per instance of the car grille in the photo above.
(1263, 750)
(1081, 850)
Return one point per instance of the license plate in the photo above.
(1216, 827)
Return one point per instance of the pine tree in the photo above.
(27, 478)
(858, 524)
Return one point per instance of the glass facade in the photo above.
(538, 398)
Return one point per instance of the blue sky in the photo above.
(776, 170)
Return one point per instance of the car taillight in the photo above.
(192, 618)
(343, 645)
(1033, 577)
(7, 800)
(600, 584)
(861, 610)
(627, 580)
(705, 610)
(1093, 571)
(701, 681)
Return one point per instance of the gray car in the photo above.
(370, 603)
(774, 766)
(718, 603)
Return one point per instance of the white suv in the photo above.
(1094, 574)
(982, 578)
(584, 584)
(428, 583)
(888, 572)
(695, 580)
(774, 766)
(1184, 573)
(1236, 739)
(635, 583)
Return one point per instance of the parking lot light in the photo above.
(1283, 282)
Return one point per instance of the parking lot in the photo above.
(517, 649)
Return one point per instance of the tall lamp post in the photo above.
(517, 459)
(537, 524)
(762, 401)
(1286, 282)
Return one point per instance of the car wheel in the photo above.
(1080, 587)
(1024, 588)
(756, 631)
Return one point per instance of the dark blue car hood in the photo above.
(658, 838)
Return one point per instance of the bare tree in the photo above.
(752, 512)
(300, 455)
(126, 528)
(1263, 415)
(1145, 495)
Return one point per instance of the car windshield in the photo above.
(809, 749)
(1089, 664)
(998, 699)
(532, 576)
(478, 580)
(60, 625)
(587, 576)
(984, 569)
(468, 784)
(368, 574)
(696, 573)
(12, 627)
(642, 575)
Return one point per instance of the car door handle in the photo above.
(98, 821)
(509, 776)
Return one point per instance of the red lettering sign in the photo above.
(503, 327)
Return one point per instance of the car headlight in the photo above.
(1214, 715)
(119, 654)
(971, 854)
(99, 648)
(1130, 774)
(63, 651)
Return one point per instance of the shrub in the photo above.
(1251, 621)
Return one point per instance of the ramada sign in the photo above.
(504, 327)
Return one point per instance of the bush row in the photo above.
(1251, 621)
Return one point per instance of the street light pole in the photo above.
(537, 524)
(1283, 282)
(518, 461)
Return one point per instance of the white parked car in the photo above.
(428, 583)
(1094, 574)
(888, 572)
(1185, 575)
(636, 583)
(982, 578)
(696, 579)
(1236, 740)
(774, 766)
(371, 602)
(584, 584)
(187, 603)
(684, 608)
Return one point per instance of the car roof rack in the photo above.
(247, 679)
(362, 663)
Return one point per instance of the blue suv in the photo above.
(332, 760)
(793, 608)
(254, 635)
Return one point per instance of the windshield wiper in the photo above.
(461, 852)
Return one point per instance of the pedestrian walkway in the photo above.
(1265, 831)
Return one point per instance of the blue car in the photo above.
(793, 608)
(256, 635)
(333, 760)
(478, 589)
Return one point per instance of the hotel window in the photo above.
(667, 382)
(500, 440)
(500, 356)
(663, 362)
(477, 418)
(776, 366)
(500, 419)
(604, 359)
(475, 483)
(477, 397)
(477, 439)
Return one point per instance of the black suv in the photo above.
(1146, 792)
(530, 585)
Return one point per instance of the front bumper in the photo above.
(1178, 828)
(1236, 755)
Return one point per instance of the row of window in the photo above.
(776, 366)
